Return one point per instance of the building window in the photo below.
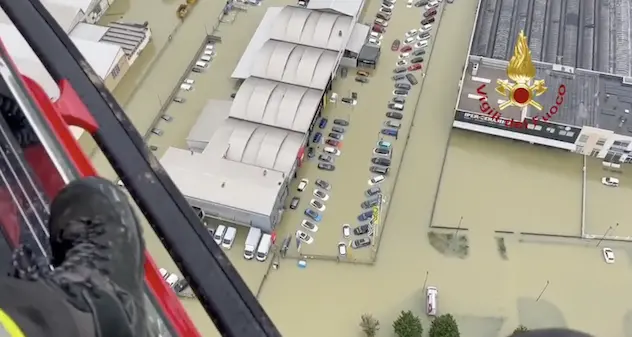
(538, 127)
(583, 139)
(115, 71)
(570, 133)
(594, 153)
(530, 126)
(601, 141)
(621, 143)
(562, 132)
(579, 149)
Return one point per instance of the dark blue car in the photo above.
(323, 123)
(389, 132)
(317, 137)
(365, 216)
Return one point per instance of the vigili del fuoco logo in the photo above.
(521, 88)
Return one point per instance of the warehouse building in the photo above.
(580, 49)
(242, 154)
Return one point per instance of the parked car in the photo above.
(370, 203)
(312, 214)
(393, 124)
(410, 40)
(384, 144)
(302, 184)
(421, 3)
(360, 243)
(610, 181)
(179, 100)
(294, 203)
(326, 166)
(331, 150)
(394, 115)
(425, 28)
(326, 158)
(362, 79)
(431, 5)
(383, 16)
(346, 231)
(323, 184)
(338, 129)
(430, 13)
(381, 22)
(412, 79)
(381, 151)
(311, 153)
(310, 226)
(412, 33)
(362, 229)
(399, 99)
(389, 132)
(364, 216)
(362, 72)
(396, 106)
(379, 170)
(335, 136)
(417, 59)
(398, 77)
(419, 52)
(391, 6)
(428, 21)
(376, 180)
(381, 161)
(321, 195)
(414, 67)
(401, 63)
(323, 123)
(373, 191)
(341, 122)
(332, 142)
(404, 86)
(423, 36)
(395, 45)
(318, 205)
(421, 44)
(399, 70)
(347, 100)
(608, 255)
(403, 56)
(406, 49)
(317, 137)
(385, 10)
(304, 237)
(378, 28)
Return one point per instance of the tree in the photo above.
(369, 325)
(520, 329)
(407, 325)
(444, 326)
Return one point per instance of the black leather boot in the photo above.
(97, 250)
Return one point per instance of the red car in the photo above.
(406, 49)
(414, 67)
(430, 12)
(332, 142)
(378, 28)
(395, 45)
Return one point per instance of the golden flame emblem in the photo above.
(521, 71)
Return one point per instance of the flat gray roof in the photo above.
(587, 34)
(580, 51)
(358, 37)
(221, 181)
(276, 104)
(347, 7)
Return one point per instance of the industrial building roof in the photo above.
(276, 104)
(221, 181)
(294, 64)
(347, 7)
(256, 145)
(358, 37)
(66, 13)
(311, 28)
(579, 45)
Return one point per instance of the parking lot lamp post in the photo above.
(458, 227)
(606, 233)
(425, 280)
(543, 290)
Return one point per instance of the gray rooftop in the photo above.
(595, 48)
(588, 34)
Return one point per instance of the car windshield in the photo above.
(226, 241)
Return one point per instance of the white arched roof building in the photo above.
(276, 104)
(255, 144)
(311, 28)
(294, 64)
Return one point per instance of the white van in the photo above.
(172, 279)
(163, 272)
(264, 247)
(219, 234)
(229, 237)
(431, 301)
(186, 87)
(209, 52)
(252, 240)
(375, 35)
(206, 58)
(612, 165)
(189, 81)
(201, 64)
